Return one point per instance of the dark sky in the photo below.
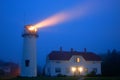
(97, 31)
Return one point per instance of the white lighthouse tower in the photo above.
(29, 61)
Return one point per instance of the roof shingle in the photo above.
(65, 55)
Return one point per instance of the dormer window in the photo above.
(77, 59)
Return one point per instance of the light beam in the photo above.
(67, 15)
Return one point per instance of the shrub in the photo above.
(91, 74)
(2, 72)
(61, 75)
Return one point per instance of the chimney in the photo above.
(60, 49)
(72, 50)
(85, 51)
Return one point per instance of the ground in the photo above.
(46, 78)
(66, 78)
(102, 78)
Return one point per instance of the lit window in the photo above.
(77, 59)
(57, 70)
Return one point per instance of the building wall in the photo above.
(66, 66)
(94, 64)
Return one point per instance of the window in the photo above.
(57, 61)
(86, 70)
(77, 59)
(95, 70)
(67, 70)
(48, 70)
(57, 70)
(94, 62)
(27, 63)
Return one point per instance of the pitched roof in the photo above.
(65, 55)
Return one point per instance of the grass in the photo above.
(64, 78)
(46, 78)
(102, 78)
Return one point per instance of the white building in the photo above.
(72, 63)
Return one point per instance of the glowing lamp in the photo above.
(32, 28)
(73, 69)
(80, 69)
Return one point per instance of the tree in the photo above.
(111, 64)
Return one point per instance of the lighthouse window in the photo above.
(27, 62)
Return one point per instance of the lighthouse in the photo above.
(29, 61)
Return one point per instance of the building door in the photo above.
(77, 72)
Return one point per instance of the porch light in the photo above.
(73, 69)
(80, 69)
